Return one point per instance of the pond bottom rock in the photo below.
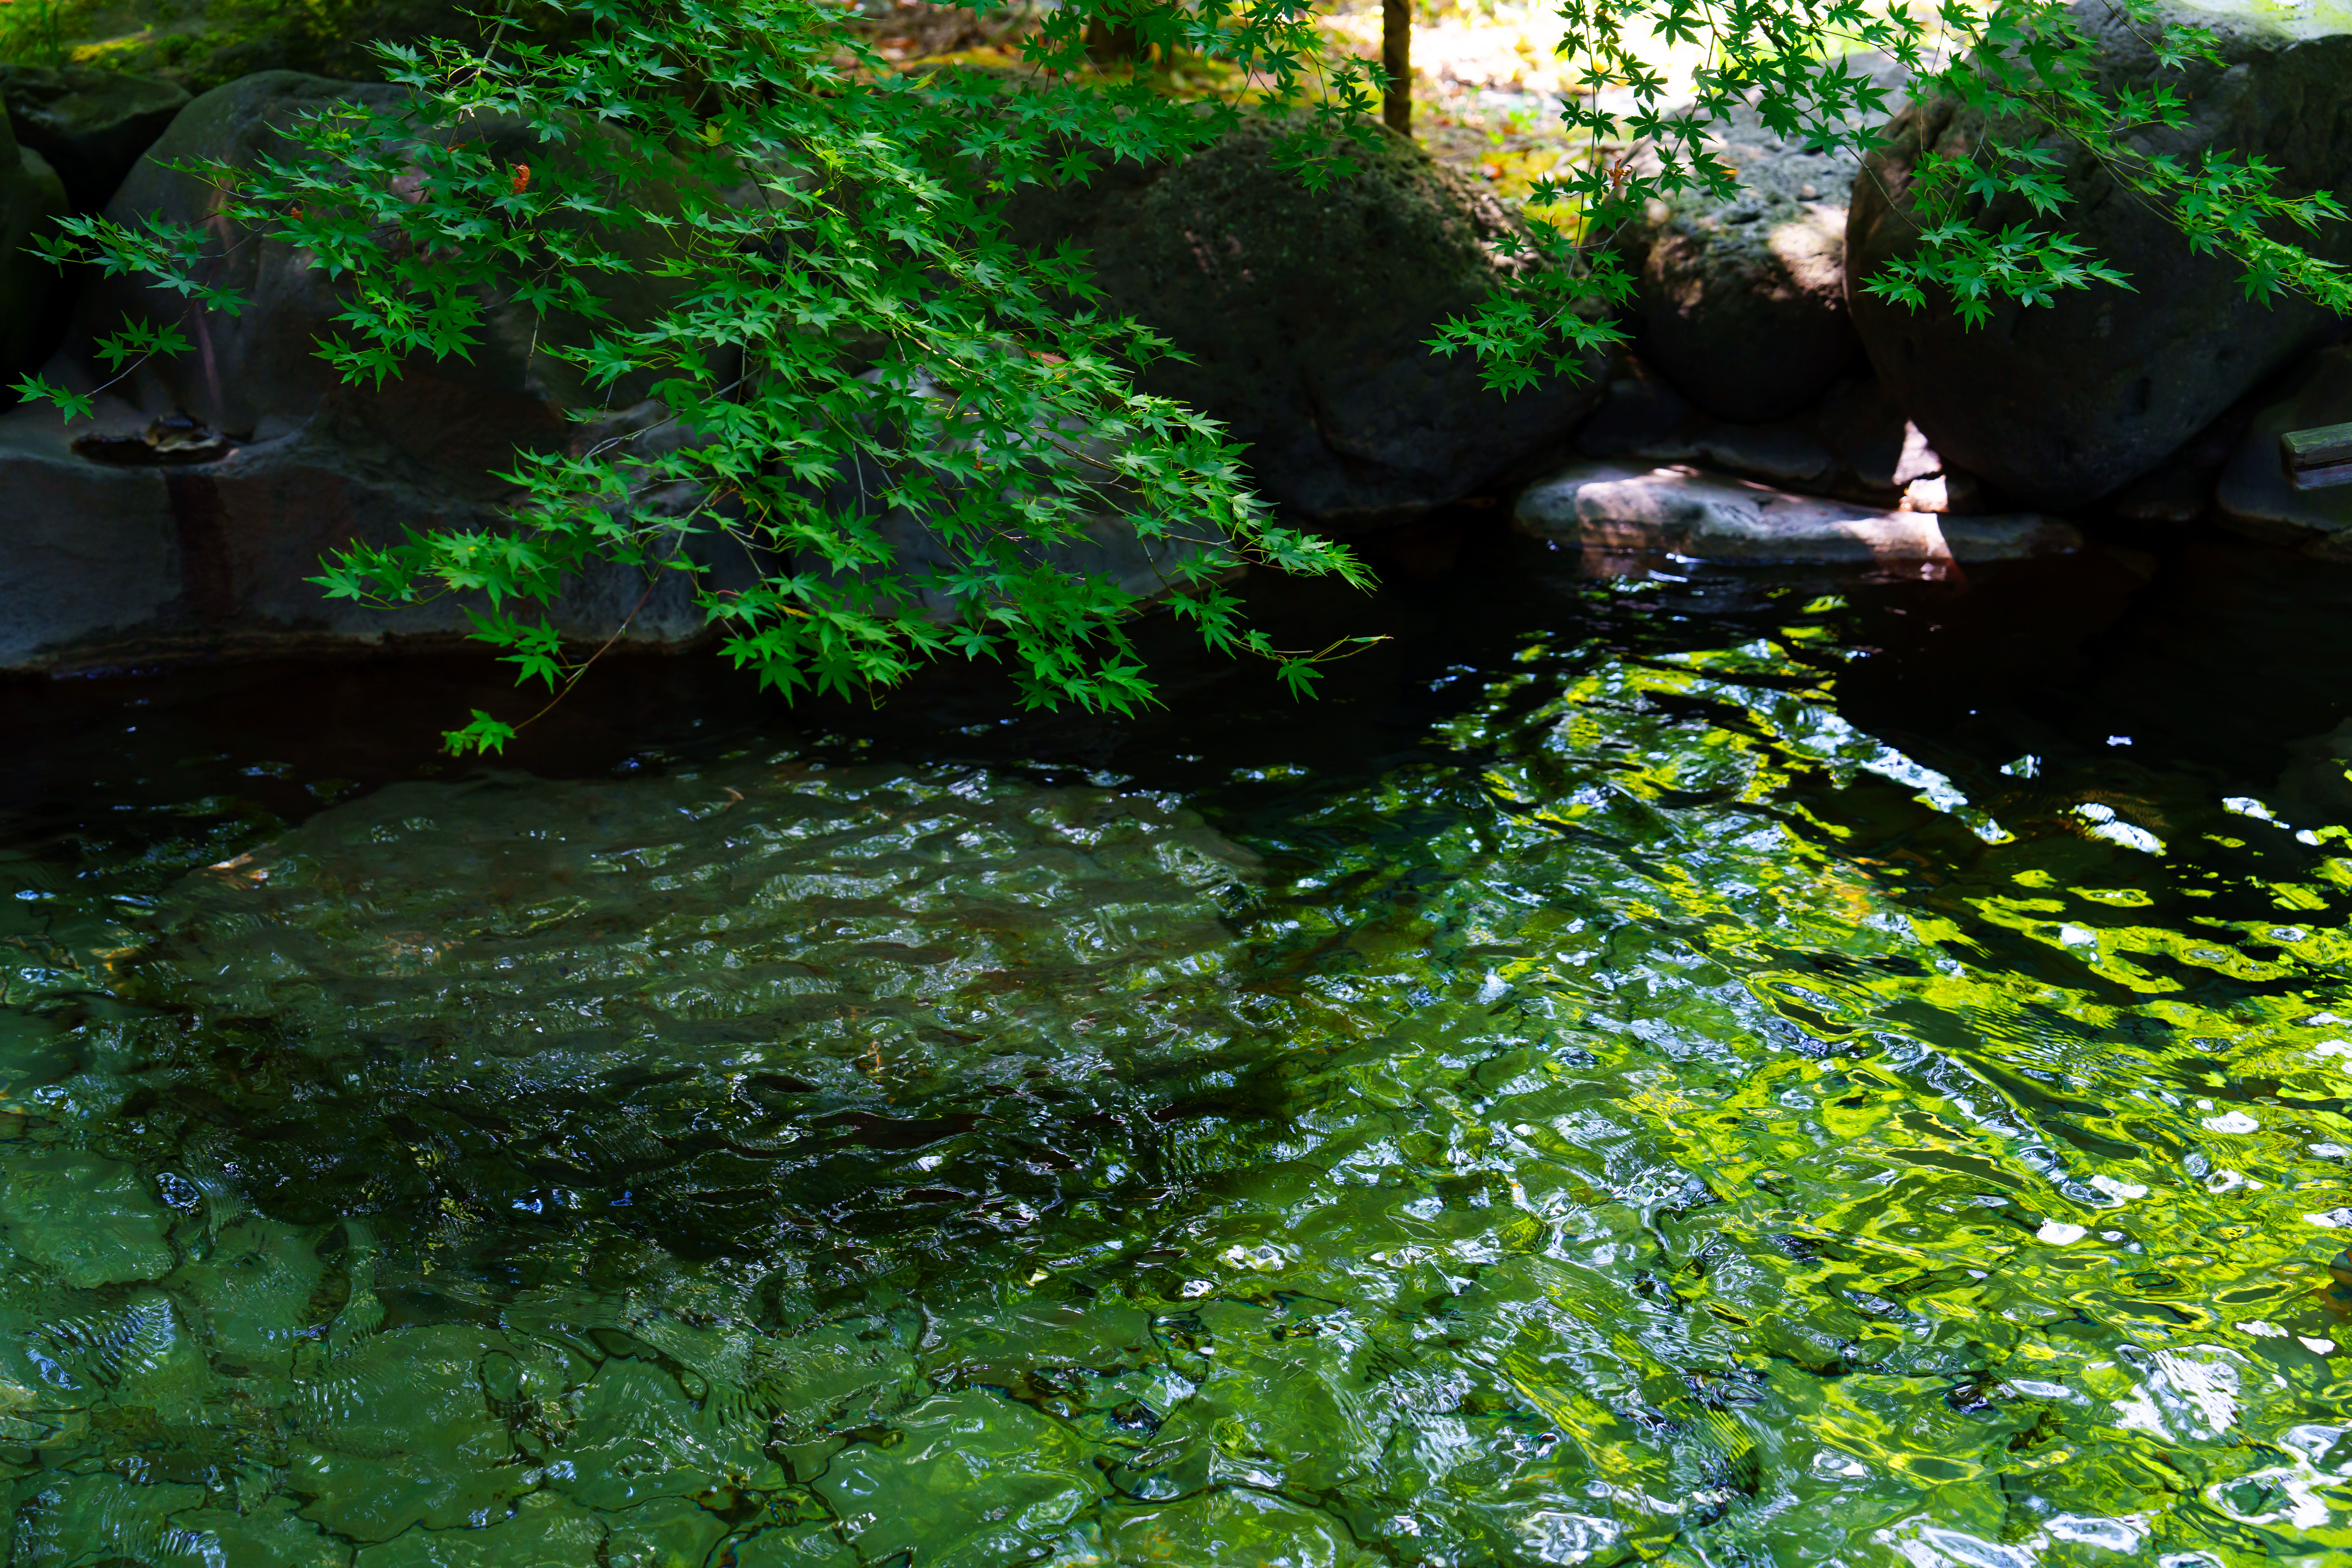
(1634, 510)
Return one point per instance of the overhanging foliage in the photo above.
(848, 345)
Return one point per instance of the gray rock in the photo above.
(1743, 303)
(1629, 510)
(2058, 404)
(1306, 315)
(207, 548)
(2180, 488)
(32, 199)
(1106, 545)
(86, 552)
(90, 124)
(2254, 497)
(102, 563)
(1744, 307)
(258, 372)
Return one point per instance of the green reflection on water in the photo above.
(1660, 1123)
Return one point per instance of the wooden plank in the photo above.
(2322, 476)
(2316, 447)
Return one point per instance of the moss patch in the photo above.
(204, 43)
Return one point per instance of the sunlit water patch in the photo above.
(1661, 1123)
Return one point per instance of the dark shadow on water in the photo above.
(2217, 653)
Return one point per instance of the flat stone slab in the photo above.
(1636, 508)
(102, 564)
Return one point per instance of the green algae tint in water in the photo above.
(1659, 1123)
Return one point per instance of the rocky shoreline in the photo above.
(1770, 411)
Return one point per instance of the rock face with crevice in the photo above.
(2059, 404)
(1306, 315)
(104, 563)
(189, 518)
(31, 198)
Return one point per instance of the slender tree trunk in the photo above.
(1115, 43)
(1396, 59)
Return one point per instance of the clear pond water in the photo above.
(1723, 1072)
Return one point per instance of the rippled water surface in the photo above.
(1690, 1079)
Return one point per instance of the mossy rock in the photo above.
(90, 124)
(1306, 315)
(202, 44)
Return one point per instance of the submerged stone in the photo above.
(1630, 1119)
(635, 1437)
(257, 1288)
(1234, 1528)
(396, 1434)
(269, 1535)
(543, 1532)
(101, 1518)
(794, 1546)
(976, 1480)
(86, 1220)
(671, 1533)
(864, 975)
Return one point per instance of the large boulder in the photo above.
(258, 372)
(203, 44)
(187, 519)
(2058, 404)
(90, 124)
(31, 198)
(125, 539)
(1306, 315)
(1742, 302)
